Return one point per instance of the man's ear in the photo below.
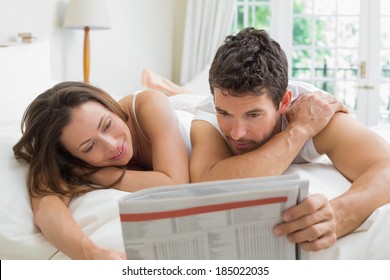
(285, 103)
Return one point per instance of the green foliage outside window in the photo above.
(251, 13)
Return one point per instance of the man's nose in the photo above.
(238, 130)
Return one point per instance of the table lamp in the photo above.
(87, 15)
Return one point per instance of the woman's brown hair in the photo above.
(53, 170)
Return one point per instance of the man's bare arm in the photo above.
(212, 159)
(364, 158)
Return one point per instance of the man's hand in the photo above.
(311, 223)
(313, 111)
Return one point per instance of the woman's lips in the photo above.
(120, 153)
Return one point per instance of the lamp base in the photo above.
(86, 54)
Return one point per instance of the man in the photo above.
(247, 136)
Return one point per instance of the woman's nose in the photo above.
(110, 142)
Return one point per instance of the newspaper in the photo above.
(231, 219)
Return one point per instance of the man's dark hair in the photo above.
(250, 62)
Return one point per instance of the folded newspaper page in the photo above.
(231, 219)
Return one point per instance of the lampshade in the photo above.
(87, 13)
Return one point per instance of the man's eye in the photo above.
(223, 113)
(254, 115)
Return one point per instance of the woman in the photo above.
(77, 138)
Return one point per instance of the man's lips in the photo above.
(239, 145)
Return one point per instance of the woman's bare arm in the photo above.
(58, 226)
(169, 163)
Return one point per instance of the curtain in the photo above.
(206, 25)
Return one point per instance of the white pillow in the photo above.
(186, 102)
(200, 83)
(19, 238)
(25, 60)
(24, 73)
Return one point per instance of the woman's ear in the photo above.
(285, 103)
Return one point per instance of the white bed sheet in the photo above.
(97, 212)
(370, 241)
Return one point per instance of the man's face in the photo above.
(247, 122)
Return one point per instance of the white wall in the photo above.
(143, 34)
(41, 17)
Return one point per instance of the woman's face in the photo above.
(97, 136)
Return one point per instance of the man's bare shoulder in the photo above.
(350, 145)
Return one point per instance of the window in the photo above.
(341, 46)
(384, 90)
(254, 13)
(326, 46)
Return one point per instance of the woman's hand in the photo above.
(115, 255)
(104, 254)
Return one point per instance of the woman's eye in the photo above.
(88, 149)
(107, 125)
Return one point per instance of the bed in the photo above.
(25, 72)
